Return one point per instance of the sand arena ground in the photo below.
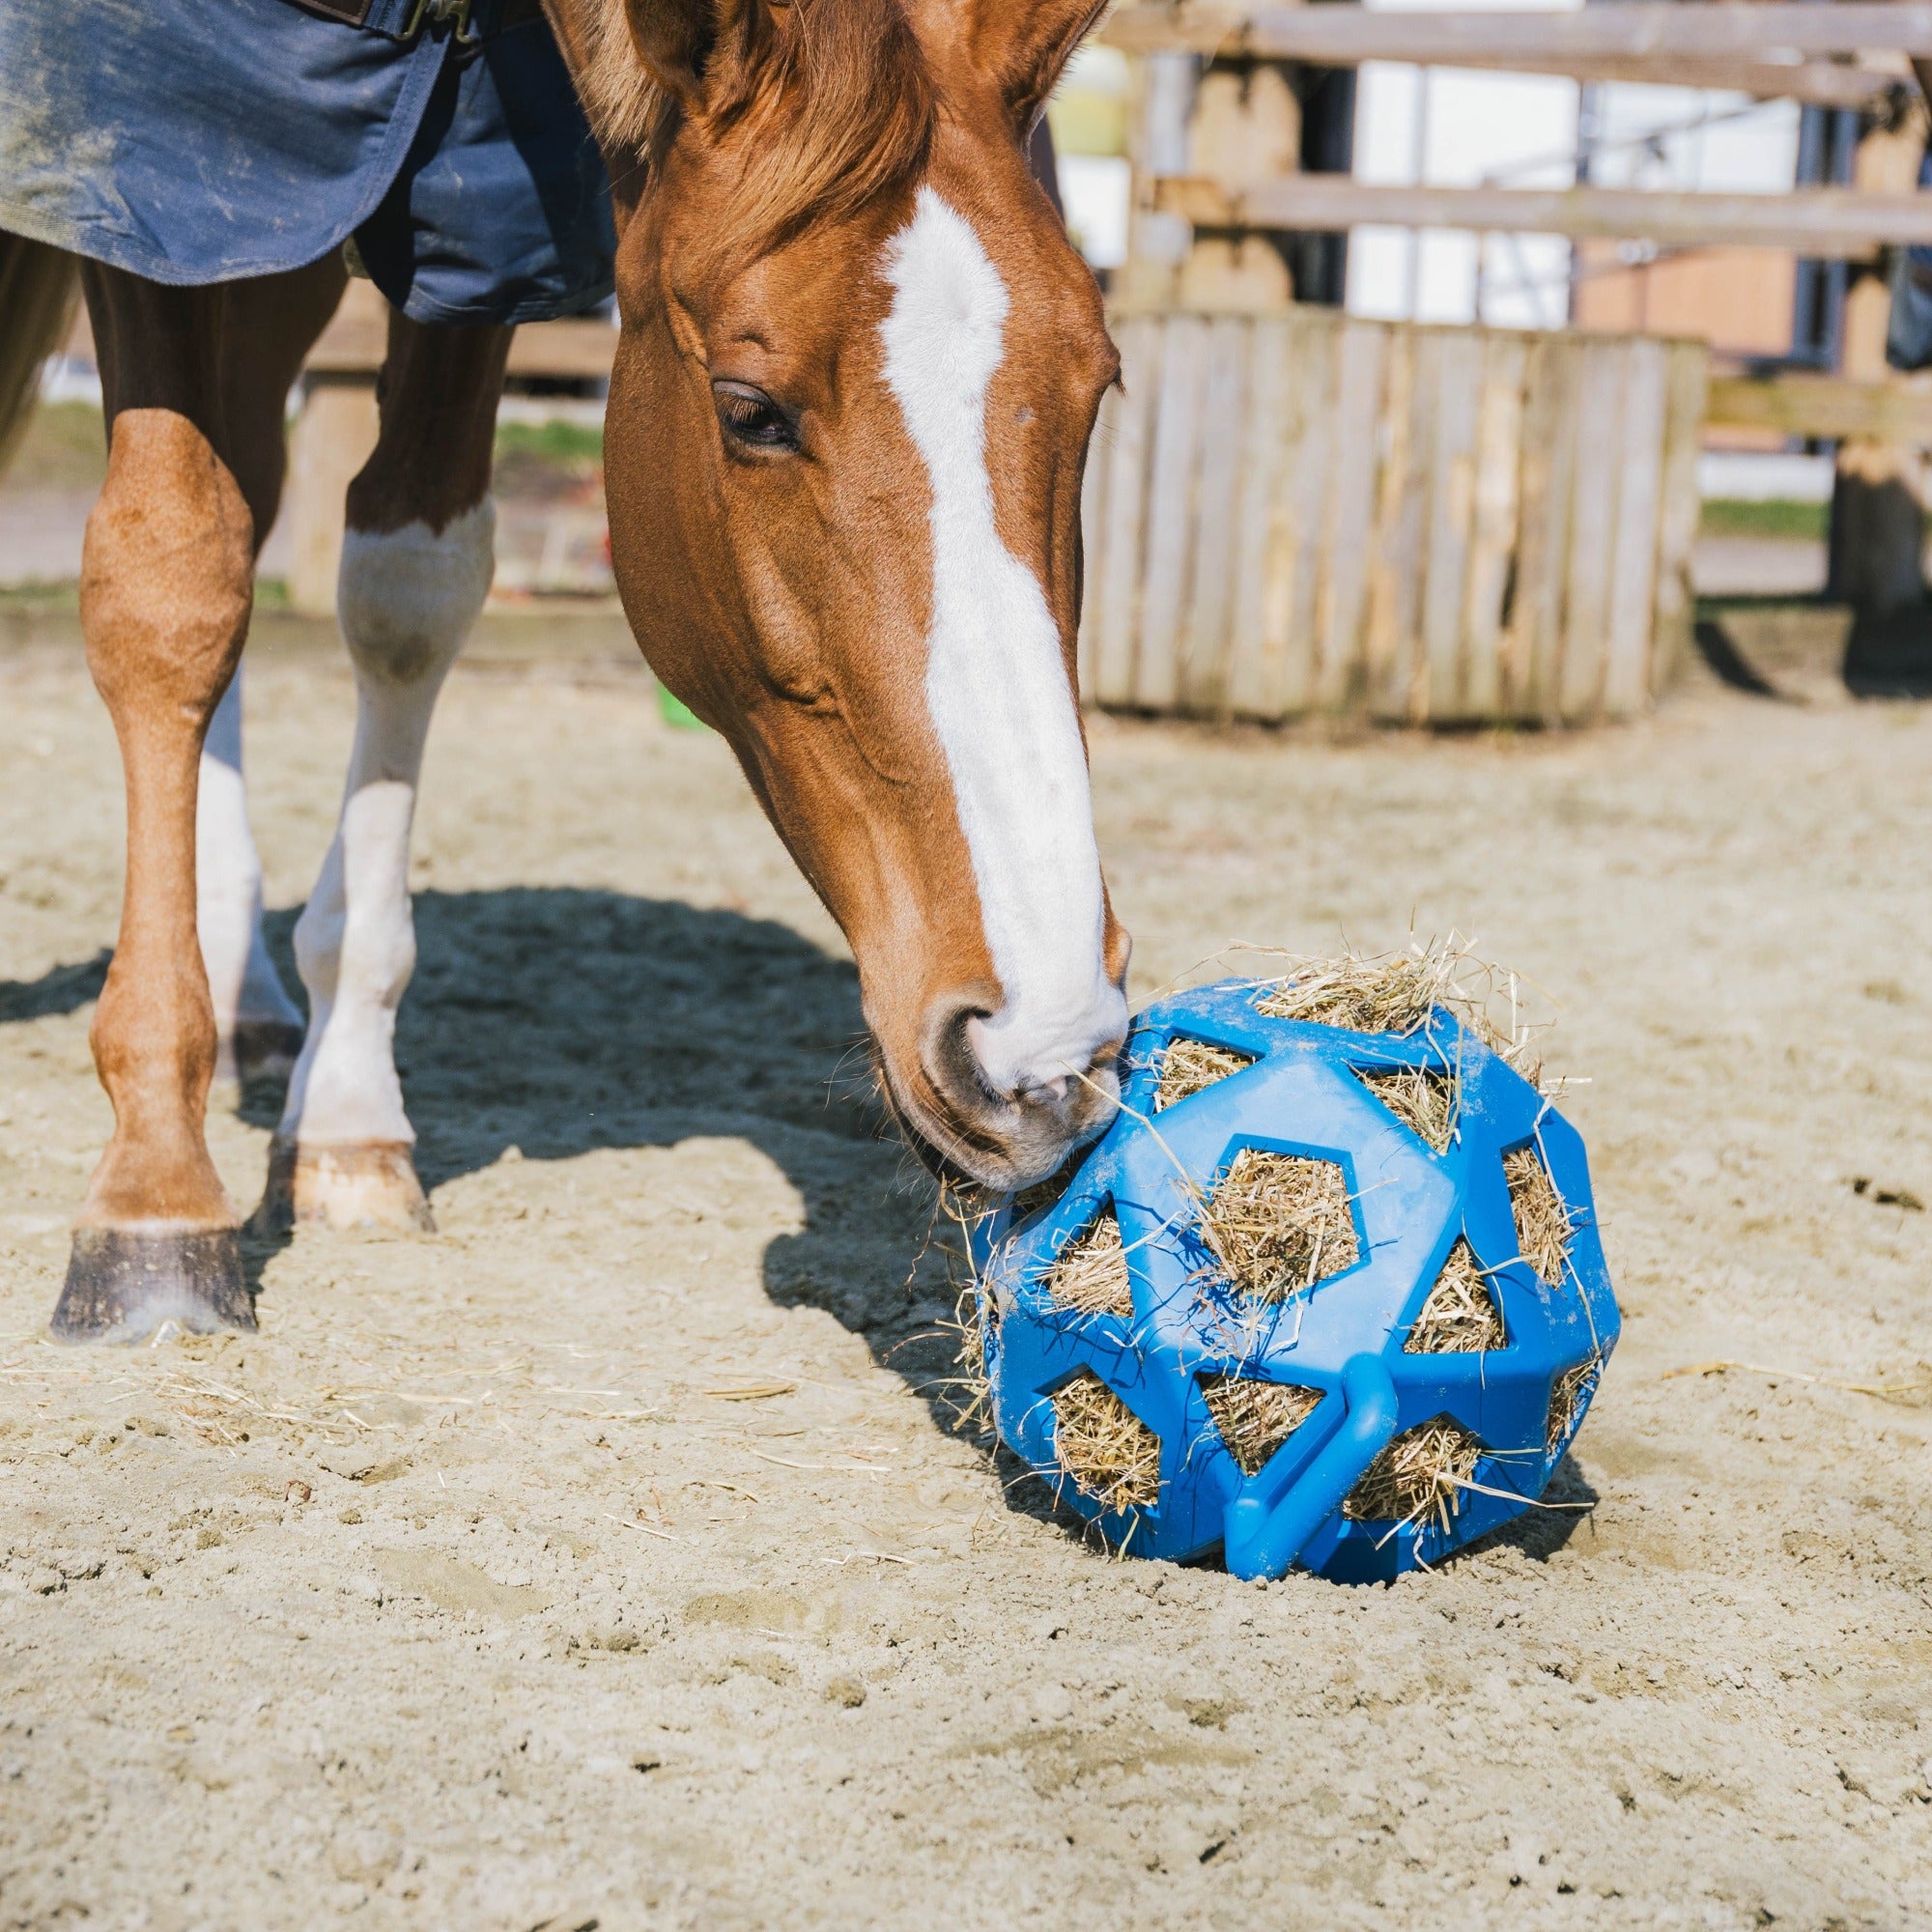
(608, 1556)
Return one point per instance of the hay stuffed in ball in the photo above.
(1090, 1274)
(1567, 1400)
(1255, 1418)
(1278, 1223)
(1542, 1221)
(1421, 1099)
(1111, 1455)
(1460, 1313)
(1422, 1473)
(1190, 1067)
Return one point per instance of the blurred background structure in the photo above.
(1487, 525)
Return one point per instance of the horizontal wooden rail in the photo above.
(353, 345)
(1828, 406)
(1419, 39)
(1837, 223)
(1341, 35)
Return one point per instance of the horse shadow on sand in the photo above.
(559, 1020)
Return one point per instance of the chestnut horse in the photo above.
(857, 371)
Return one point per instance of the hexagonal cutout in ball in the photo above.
(1278, 1223)
(1112, 1455)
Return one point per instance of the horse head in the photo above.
(859, 368)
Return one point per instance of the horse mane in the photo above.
(623, 101)
(827, 104)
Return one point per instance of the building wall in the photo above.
(1739, 299)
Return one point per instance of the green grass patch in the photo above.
(553, 442)
(64, 447)
(39, 600)
(1779, 519)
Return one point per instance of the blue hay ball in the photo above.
(1419, 1379)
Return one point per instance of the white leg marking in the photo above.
(406, 601)
(996, 679)
(242, 978)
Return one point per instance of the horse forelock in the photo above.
(818, 107)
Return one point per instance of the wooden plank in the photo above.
(1826, 406)
(333, 435)
(1451, 520)
(1275, 403)
(1221, 457)
(1361, 377)
(357, 341)
(1626, 689)
(580, 347)
(1815, 83)
(1821, 82)
(1124, 533)
(1593, 524)
(1092, 539)
(1690, 365)
(1535, 637)
(1492, 543)
(1344, 35)
(1170, 523)
(1302, 545)
(1823, 222)
(1396, 554)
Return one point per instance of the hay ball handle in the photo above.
(1262, 1539)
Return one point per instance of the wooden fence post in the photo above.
(333, 432)
(1247, 126)
(1878, 513)
(333, 438)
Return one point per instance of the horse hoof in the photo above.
(121, 1284)
(258, 1050)
(357, 1184)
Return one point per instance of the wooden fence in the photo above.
(1305, 511)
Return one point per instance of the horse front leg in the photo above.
(417, 563)
(192, 384)
(165, 590)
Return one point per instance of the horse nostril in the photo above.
(1047, 1090)
(1006, 1116)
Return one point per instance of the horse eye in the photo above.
(749, 416)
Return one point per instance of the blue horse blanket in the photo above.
(194, 141)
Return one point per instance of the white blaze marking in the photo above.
(242, 978)
(995, 681)
(406, 601)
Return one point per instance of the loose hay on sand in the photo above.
(1572, 1388)
(1188, 1066)
(1279, 1222)
(972, 1400)
(1394, 992)
(1091, 1272)
(1461, 1316)
(1255, 1418)
(1542, 1226)
(1419, 1474)
(1423, 1098)
(1108, 1451)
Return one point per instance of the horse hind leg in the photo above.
(258, 1027)
(416, 564)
